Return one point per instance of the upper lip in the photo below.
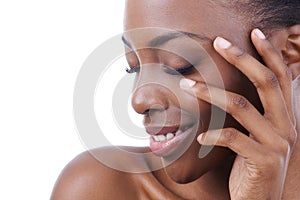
(156, 130)
(159, 130)
(169, 121)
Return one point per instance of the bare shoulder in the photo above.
(85, 177)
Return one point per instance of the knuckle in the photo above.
(238, 55)
(285, 72)
(268, 51)
(229, 135)
(269, 79)
(285, 76)
(238, 102)
(282, 71)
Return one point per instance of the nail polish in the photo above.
(259, 34)
(199, 138)
(187, 83)
(222, 43)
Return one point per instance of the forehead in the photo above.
(189, 16)
(203, 17)
(154, 37)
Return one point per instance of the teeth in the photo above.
(155, 138)
(161, 138)
(178, 132)
(170, 135)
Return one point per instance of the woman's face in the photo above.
(157, 95)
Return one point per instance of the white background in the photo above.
(42, 47)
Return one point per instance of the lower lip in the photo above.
(167, 147)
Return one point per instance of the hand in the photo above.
(260, 167)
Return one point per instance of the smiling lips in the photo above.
(168, 136)
(164, 140)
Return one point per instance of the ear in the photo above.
(291, 52)
(287, 42)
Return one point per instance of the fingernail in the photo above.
(187, 83)
(259, 34)
(199, 138)
(222, 43)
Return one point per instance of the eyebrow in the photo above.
(162, 39)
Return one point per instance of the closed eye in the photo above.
(183, 71)
(131, 70)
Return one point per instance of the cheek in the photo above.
(190, 103)
(236, 82)
(231, 79)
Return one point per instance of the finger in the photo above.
(234, 140)
(263, 78)
(237, 106)
(274, 61)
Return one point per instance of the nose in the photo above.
(150, 93)
(149, 97)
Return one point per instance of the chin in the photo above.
(189, 167)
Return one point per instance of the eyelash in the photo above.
(183, 71)
(131, 70)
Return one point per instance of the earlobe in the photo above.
(291, 53)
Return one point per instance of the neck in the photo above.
(212, 185)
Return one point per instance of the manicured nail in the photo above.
(199, 137)
(259, 34)
(187, 83)
(222, 43)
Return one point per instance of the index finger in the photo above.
(263, 78)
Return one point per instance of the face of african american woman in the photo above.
(157, 95)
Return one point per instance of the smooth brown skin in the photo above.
(259, 169)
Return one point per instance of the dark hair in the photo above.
(268, 14)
